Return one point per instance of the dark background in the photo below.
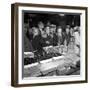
(57, 19)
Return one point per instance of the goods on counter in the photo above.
(32, 72)
(28, 54)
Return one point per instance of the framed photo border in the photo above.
(14, 43)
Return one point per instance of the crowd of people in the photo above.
(44, 35)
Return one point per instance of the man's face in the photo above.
(35, 31)
(41, 25)
(47, 30)
(54, 29)
(67, 30)
(59, 31)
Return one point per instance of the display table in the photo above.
(61, 65)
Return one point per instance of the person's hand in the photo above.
(47, 42)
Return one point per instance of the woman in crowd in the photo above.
(53, 34)
(47, 30)
(60, 36)
(36, 39)
(40, 27)
(67, 36)
(72, 39)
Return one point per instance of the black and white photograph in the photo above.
(50, 44)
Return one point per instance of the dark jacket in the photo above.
(44, 41)
(36, 42)
(27, 44)
(67, 37)
(55, 40)
(52, 41)
(61, 39)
